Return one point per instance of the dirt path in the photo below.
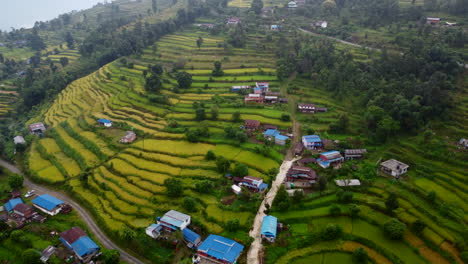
(256, 246)
(339, 40)
(103, 239)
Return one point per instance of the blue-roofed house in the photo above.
(312, 142)
(330, 158)
(269, 228)
(218, 249)
(12, 203)
(174, 220)
(254, 184)
(154, 230)
(105, 122)
(275, 134)
(76, 240)
(193, 239)
(48, 204)
(281, 140)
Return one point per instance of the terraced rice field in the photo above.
(7, 97)
(126, 183)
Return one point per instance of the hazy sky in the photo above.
(23, 13)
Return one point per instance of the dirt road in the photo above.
(256, 246)
(103, 239)
(338, 40)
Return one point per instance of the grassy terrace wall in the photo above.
(125, 187)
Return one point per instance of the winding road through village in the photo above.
(83, 213)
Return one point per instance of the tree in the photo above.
(236, 116)
(174, 187)
(394, 229)
(331, 232)
(64, 61)
(15, 181)
(184, 79)
(285, 117)
(322, 183)
(354, 210)
(232, 225)
(210, 155)
(392, 202)
(341, 126)
(204, 186)
(70, 40)
(217, 71)
(154, 6)
(298, 196)
(360, 255)
(199, 42)
(345, 197)
(240, 170)
(222, 164)
(418, 226)
(31, 256)
(153, 83)
(111, 256)
(189, 204)
(237, 37)
(36, 42)
(257, 6)
(200, 114)
(214, 112)
(431, 196)
(281, 201)
(156, 69)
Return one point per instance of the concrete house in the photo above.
(333, 158)
(394, 168)
(239, 88)
(354, 153)
(254, 98)
(104, 122)
(306, 108)
(174, 220)
(253, 183)
(219, 250)
(154, 230)
(233, 21)
(37, 128)
(292, 5)
(251, 124)
(312, 142)
(19, 140)
(23, 211)
(192, 239)
(48, 204)
(129, 137)
(301, 177)
(433, 20)
(76, 240)
(269, 228)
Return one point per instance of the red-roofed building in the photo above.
(252, 124)
(72, 234)
(23, 211)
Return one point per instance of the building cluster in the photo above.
(253, 184)
(214, 249)
(310, 108)
(261, 94)
(270, 132)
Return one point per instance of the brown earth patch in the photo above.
(351, 246)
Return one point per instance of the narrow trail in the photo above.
(338, 40)
(83, 213)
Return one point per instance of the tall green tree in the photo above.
(184, 79)
(257, 6)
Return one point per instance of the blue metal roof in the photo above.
(104, 121)
(12, 203)
(281, 137)
(221, 248)
(329, 152)
(312, 138)
(269, 226)
(263, 186)
(190, 236)
(47, 202)
(271, 132)
(84, 245)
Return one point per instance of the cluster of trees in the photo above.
(398, 91)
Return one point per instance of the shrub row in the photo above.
(91, 146)
(69, 151)
(45, 155)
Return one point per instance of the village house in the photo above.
(236, 189)
(354, 153)
(154, 230)
(320, 24)
(292, 5)
(251, 125)
(205, 26)
(19, 140)
(463, 143)
(23, 212)
(271, 99)
(266, 11)
(48, 204)
(233, 21)
(254, 98)
(394, 168)
(321, 109)
(271, 134)
(450, 24)
(275, 27)
(333, 158)
(306, 161)
(261, 87)
(272, 93)
(12, 204)
(239, 88)
(306, 108)
(432, 20)
(348, 182)
(298, 149)
(300, 2)
(312, 142)
(219, 250)
(15, 194)
(129, 137)
(269, 228)
(77, 241)
(291, 192)
(253, 184)
(300, 177)
(37, 128)
(104, 122)
(174, 220)
(192, 239)
(47, 253)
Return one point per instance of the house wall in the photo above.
(55, 211)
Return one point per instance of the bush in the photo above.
(394, 229)
(281, 201)
(189, 204)
(360, 255)
(15, 181)
(232, 225)
(418, 226)
(174, 187)
(464, 256)
(240, 170)
(210, 155)
(345, 197)
(331, 232)
(285, 117)
(335, 210)
(31, 256)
